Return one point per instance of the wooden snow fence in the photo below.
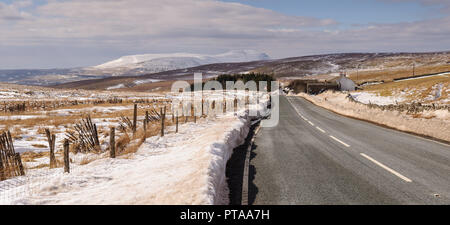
(10, 161)
(85, 138)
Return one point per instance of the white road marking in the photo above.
(343, 143)
(387, 168)
(318, 128)
(298, 112)
(321, 130)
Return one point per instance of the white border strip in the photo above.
(387, 168)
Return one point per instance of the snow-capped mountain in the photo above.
(165, 62)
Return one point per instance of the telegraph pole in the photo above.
(357, 73)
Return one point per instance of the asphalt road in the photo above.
(315, 156)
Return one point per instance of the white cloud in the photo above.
(12, 12)
(201, 26)
(22, 3)
(153, 19)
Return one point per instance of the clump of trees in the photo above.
(257, 77)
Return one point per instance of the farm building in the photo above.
(316, 86)
(345, 84)
(311, 86)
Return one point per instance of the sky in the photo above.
(78, 33)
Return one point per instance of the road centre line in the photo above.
(387, 168)
(320, 129)
(343, 143)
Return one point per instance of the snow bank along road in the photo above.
(184, 168)
(317, 157)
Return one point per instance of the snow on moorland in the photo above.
(164, 62)
(183, 168)
(372, 98)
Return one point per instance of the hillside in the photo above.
(132, 65)
(363, 67)
(139, 71)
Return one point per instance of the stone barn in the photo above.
(317, 86)
(311, 86)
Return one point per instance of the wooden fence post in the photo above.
(176, 131)
(145, 130)
(53, 163)
(134, 118)
(163, 118)
(195, 116)
(3, 157)
(66, 156)
(51, 144)
(97, 141)
(10, 154)
(19, 164)
(224, 105)
(112, 143)
(235, 103)
(203, 102)
(2, 174)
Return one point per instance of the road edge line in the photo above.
(244, 196)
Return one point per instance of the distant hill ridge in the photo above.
(139, 69)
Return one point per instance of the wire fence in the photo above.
(17, 188)
(36, 183)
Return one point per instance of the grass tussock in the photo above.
(30, 138)
(127, 145)
(40, 166)
(39, 146)
(32, 156)
(122, 142)
(132, 147)
(87, 160)
(74, 147)
(420, 115)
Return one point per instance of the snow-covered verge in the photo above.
(180, 168)
(373, 98)
(434, 124)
